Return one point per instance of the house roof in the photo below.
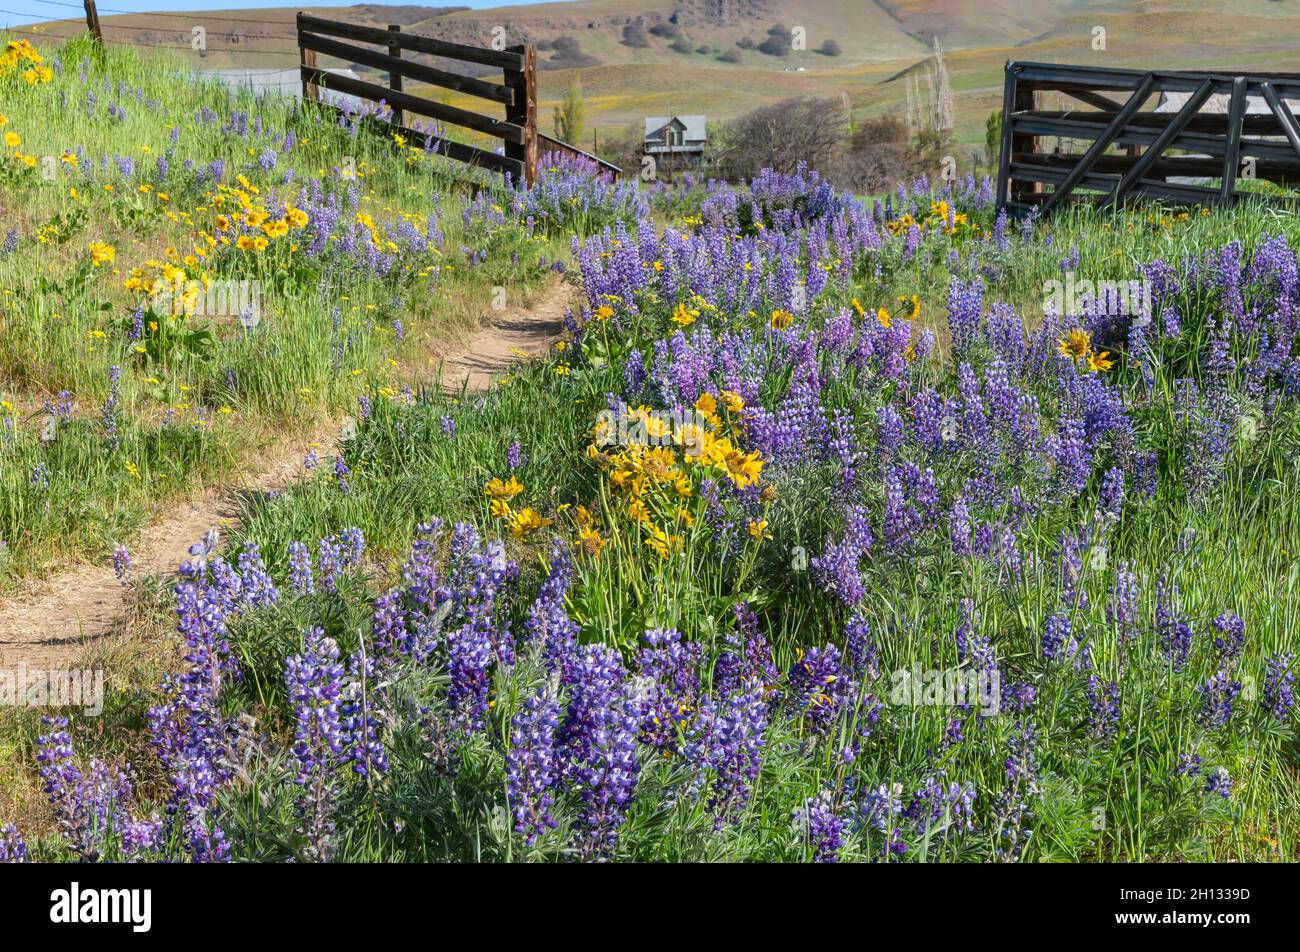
(693, 127)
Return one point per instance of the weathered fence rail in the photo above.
(1217, 126)
(517, 92)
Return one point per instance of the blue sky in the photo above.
(22, 12)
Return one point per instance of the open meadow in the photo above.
(824, 529)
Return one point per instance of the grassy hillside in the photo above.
(879, 41)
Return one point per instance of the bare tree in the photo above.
(781, 135)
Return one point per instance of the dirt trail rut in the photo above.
(56, 618)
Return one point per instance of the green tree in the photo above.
(993, 137)
(571, 114)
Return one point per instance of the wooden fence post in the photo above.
(92, 22)
(307, 59)
(395, 79)
(523, 111)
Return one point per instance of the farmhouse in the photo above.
(675, 141)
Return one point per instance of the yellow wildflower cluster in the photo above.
(1077, 345)
(20, 58)
(13, 140)
(250, 228)
(652, 473)
(522, 523)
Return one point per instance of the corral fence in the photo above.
(516, 93)
(1204, 128)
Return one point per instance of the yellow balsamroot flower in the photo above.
(743, 469)
(503, 489)
(1100, 361)
(500, 509)
(757, 528)
(13, 140)
(882, 317)
(525, 522)
(910, 307)
(694, 441)
(254, 217)
(732, 401)
(637, 510)
(682, 317)
(1076, 344)
(857, 307)
(259, 242)
(101, 253)
(296, 217)
(781, 319)
(591, 541)
(707, 405)
(275, 229)
(244, 243)
(604, 312)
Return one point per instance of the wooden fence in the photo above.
(1217, 126)
(517, 92)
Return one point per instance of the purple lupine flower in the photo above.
(121, 561)
(341, 474)
(1175, 634)
(514, 457)
(1217, 695)
(359, 721)
(670, 687)
(820, 826)
(819, 689)
(965, 302)
(1218, 781)
(1230, 634)
(531, 766)
(598, 749)
(300, 574)
(255, 582)
(727, 744)
(109, 411)
(1278, 697)
(1103, 708)
(13, 849)
(314, 684)
(859, 652)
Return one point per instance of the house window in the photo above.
(674, 137)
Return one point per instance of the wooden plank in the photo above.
(510, 132)
(408, 68)
(523, 112)
(1211, 122)
(1004, 158)
(310, 91)
(1189, 141)
(1166, 138)
(1102, 142)
(1284, 116)
(1193, 166)
(395, 74)
(1232, 150)
(547, 143)
(411, 42)
(459, 151)
(1091, 98)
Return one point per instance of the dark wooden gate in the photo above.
(1218, 126)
